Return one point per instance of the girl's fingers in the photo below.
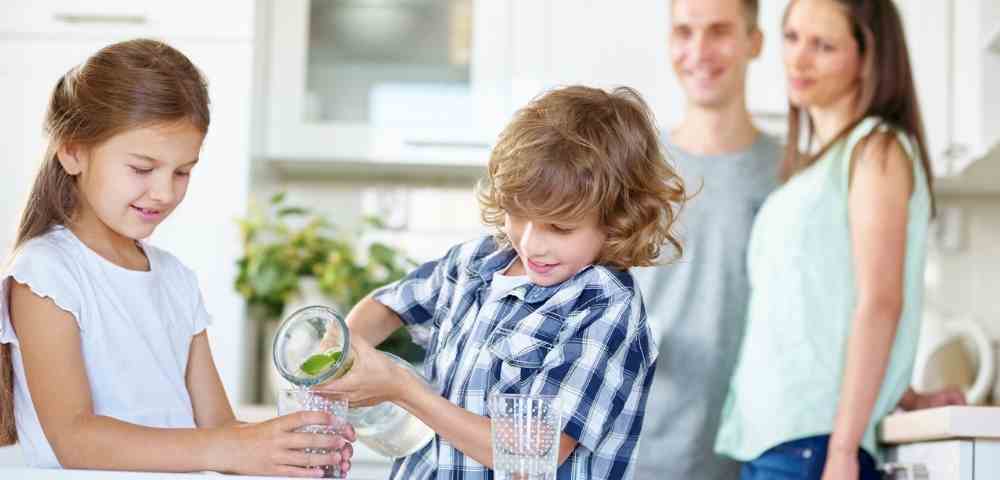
(299, 441)
(303, 459)
(348, 433)
(347, 451)
(297, 420)
(290, 471)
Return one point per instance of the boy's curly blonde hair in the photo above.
(577, 150)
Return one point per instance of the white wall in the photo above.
(963, 278)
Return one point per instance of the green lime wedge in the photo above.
(319, 362)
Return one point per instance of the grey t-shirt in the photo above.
(697, 307)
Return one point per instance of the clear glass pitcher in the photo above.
(313, 346)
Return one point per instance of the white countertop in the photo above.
(366, 464)
(941, 423)
(58, 474)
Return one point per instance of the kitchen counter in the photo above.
(941, 423)
(57, 474)
(366, 464)
(954, 443)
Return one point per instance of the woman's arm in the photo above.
(384, 380)
(49, 340)
(881, 182)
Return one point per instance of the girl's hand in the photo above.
(275, 448)
(374, 378)
(841, 465)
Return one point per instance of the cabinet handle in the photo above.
(97, 18)
(442, 144)
(912, 471)
(956, 150)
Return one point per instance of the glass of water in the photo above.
(525, 431)
(291, 400)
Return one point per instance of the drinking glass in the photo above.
(525, 435)
(291, 400)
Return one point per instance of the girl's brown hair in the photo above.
(123, 86)
(578, 150)
(887, 88)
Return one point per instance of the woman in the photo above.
(836, 256)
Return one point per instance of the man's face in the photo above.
(711, 44)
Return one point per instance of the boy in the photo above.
(578, 191)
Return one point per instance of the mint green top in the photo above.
(802, 298)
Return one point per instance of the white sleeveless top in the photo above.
(135, 332)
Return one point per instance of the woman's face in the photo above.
(822, 58)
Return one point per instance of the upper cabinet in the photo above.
(401, 82)
(956, 66)
(432, 82)
(605, 43)
(128, 18)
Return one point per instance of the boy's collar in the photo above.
(501, 259)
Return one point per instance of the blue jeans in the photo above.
(801, 459)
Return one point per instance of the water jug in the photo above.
(313, 346)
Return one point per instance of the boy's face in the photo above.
(550, 253)
(135, 179)
(711, 45)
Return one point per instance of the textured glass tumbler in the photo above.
(525, 435)
(291, 400)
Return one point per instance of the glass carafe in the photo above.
(313, 346)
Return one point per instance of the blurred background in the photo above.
(366, 123)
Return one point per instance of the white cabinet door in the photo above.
(423, 82)
(607, 43)
(767, 97)
(928, 28)
(129, 18)
(604, 43)
(955, 73)
(987, 459)
(28, 72)
(950, 459)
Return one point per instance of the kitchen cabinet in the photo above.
(125, 18)
(956, 71)
(36, 50)
(600, 43)
(424, 82)
(961, 443)
(956, 459)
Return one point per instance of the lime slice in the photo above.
(318, 363)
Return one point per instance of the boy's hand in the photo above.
(374, 378)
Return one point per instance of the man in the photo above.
(697, 305)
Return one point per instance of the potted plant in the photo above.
(293, 257)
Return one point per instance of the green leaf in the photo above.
(292, 211)
(317, 363)
(278, 198)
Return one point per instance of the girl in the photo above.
(105, 358)
(836, 256)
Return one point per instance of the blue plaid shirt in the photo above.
(584, 340)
